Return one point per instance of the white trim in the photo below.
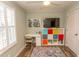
(20, 51)
(7, 48)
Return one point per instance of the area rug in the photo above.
(47, 52)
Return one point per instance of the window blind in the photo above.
(7, 26)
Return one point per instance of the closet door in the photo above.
(76, 33)
(72, 31)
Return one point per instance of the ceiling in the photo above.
(37, 6)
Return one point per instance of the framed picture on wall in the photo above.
(29, 23)
(34, 22)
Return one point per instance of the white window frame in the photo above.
(14, 43)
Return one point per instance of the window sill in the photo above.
(7, 48)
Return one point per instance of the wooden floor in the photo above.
(27, 51)
(68, 52)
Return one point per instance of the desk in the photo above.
(37, 38)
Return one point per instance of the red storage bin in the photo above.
(61, 37)
(50, 31)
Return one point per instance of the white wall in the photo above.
(72, 28)
(42, 16)
(20, 30)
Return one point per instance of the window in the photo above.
(7, 26)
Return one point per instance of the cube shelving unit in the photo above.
(52, 36)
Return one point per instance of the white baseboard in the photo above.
(20, 50)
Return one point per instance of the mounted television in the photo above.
(51, 22)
